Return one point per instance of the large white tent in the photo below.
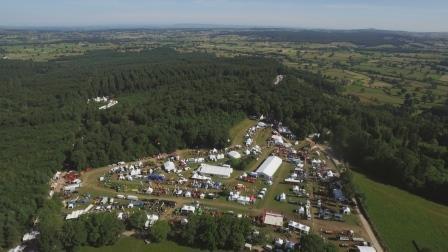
(268, 168)
(214, 170)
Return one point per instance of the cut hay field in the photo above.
(131, 244)
(401, 217)
(373, 95)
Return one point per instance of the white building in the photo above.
(269, 167)
(214, 170)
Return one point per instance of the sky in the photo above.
(408, 15)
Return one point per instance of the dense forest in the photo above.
(357, 37)
(169, 100)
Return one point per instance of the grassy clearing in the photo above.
(262, 136)
(444, 78)
(131, 244)
(375, 95)
(401, 217)
(238, 131)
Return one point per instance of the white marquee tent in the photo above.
(268, 168)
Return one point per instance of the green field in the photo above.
(238, 131)
(130, 244)
(401, 217)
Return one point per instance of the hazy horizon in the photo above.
(399, 15)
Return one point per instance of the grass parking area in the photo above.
(270, 203)
(401, 217)
(238, 131)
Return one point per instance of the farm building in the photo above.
(234, 154)
(169, 166)
(268, 168)
(273, 219)
(214, 170)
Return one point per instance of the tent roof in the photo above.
(169, 166)
(215, 170)
(366, 249)
(273, 219)
(234, 154)
(269, 166)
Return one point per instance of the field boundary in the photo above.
(364, 212)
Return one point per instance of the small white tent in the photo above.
(169, 166)
(234, 154)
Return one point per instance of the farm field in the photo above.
(52, 51)
(401, 217)
(131, 244)
(376, 70)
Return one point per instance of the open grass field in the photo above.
(238, 131)
(130, 244)
(401, 217)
